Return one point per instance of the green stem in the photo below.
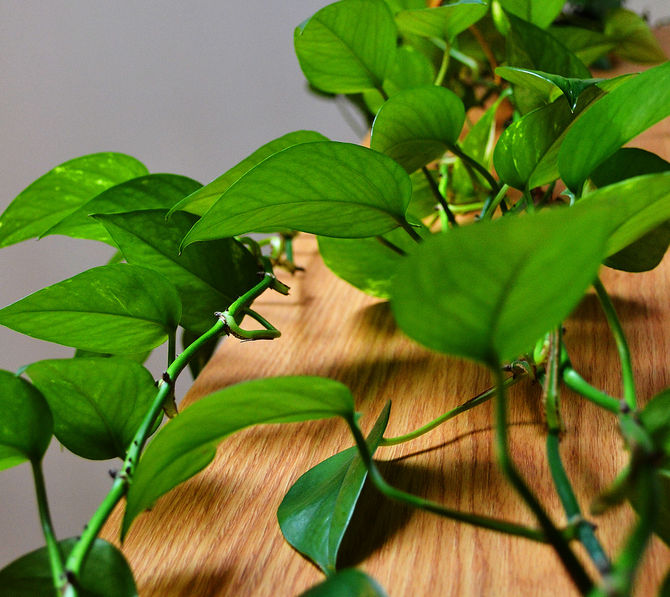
(475, 401)
(578, 384)
(53, 549)
(490, 207)
(621, 344)
(407, 227)
(553, 535)
(492, 182)
(389, 245)
(444, 65)
(438, 196)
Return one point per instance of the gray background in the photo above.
(186, 87)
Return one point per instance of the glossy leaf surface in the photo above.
(199, 201)
(97, 403)
(328, 188)
(349, 583)
(315, 513)
(634, 39)
(443, 22)
(110, 309)
(488, 291)
(209, 276)
(348, 46)
(416, 126)
(632, 107)
(188, 442)
(541, 13)
(154, 191)
(105, 574)
(61, 191)
(26, 424)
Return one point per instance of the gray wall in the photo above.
(186, 87)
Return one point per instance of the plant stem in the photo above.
(53, 549)
(492, 182)
(444, 65)
(578, 384)
(407, 227)
(490, 207)
(389, 245)
(553, 535)
(440, 199)
(475, 401)
(621, 344)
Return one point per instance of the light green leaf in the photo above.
(417, 126)
(587, 45)
(398, 5)
(105, 574)
(113, 308)
(188, 442)
(154, 191)
(346, 583)
(26, 424)
(541, 13)
(97, 403)
(198, 202)
(634, 40)
(61, 191)
(316, 511)
(348, 46)
(626, 111)
(443, 22)
(488, 291)
(208, 276)
(328, 188)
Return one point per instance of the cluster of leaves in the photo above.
(459, 282)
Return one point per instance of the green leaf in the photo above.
(417, 126)
(348, 46)
(315, 513)
(105, 574)
(97, 403)
(113, 308)
(346, 583)
(442, 22)
(630, 108)
(154, 191)
(634, 40)
(61, 191)
(139, 357)
(188, 442)
(26, 424)
(328, 188)
(204, 354)
(208, 276)
(655, 417)
(662, 520)
(198, 202)
(541, 13)
(587, 45)
(488, 291)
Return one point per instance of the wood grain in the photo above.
(217, 534)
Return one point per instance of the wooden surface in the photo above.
(217, 534)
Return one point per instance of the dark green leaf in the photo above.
(348, 46)
(155, 191)
(97, 403)
(328, 188)
(346, 583)
(26, 424)
(443, 22)
(655, 417)
(315, 513)
(662, 519)
(417, 126)
(634, 40)
(488, 291)
(105, 574)
(630, 108)
(61, 191)
(188, 442)
(139, 357)
(113, 308)
(201, 200)
(541, 13)
(208, 276)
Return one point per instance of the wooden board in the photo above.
(217, 534)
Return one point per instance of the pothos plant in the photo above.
(475, 264)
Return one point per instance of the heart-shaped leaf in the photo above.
(328, 188)
(97, 403)
(443, 22)
(61, 191)
(26, 425)
(541, 13)
(349, 582)
(348, 46)
(111, 309)
(626, 111)
(154, 191)
(417, 126)
(488, 291)
(188, 442)
(199, 201)
(634, 40)
(208, 276)
(105, 574)
(315, 513)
